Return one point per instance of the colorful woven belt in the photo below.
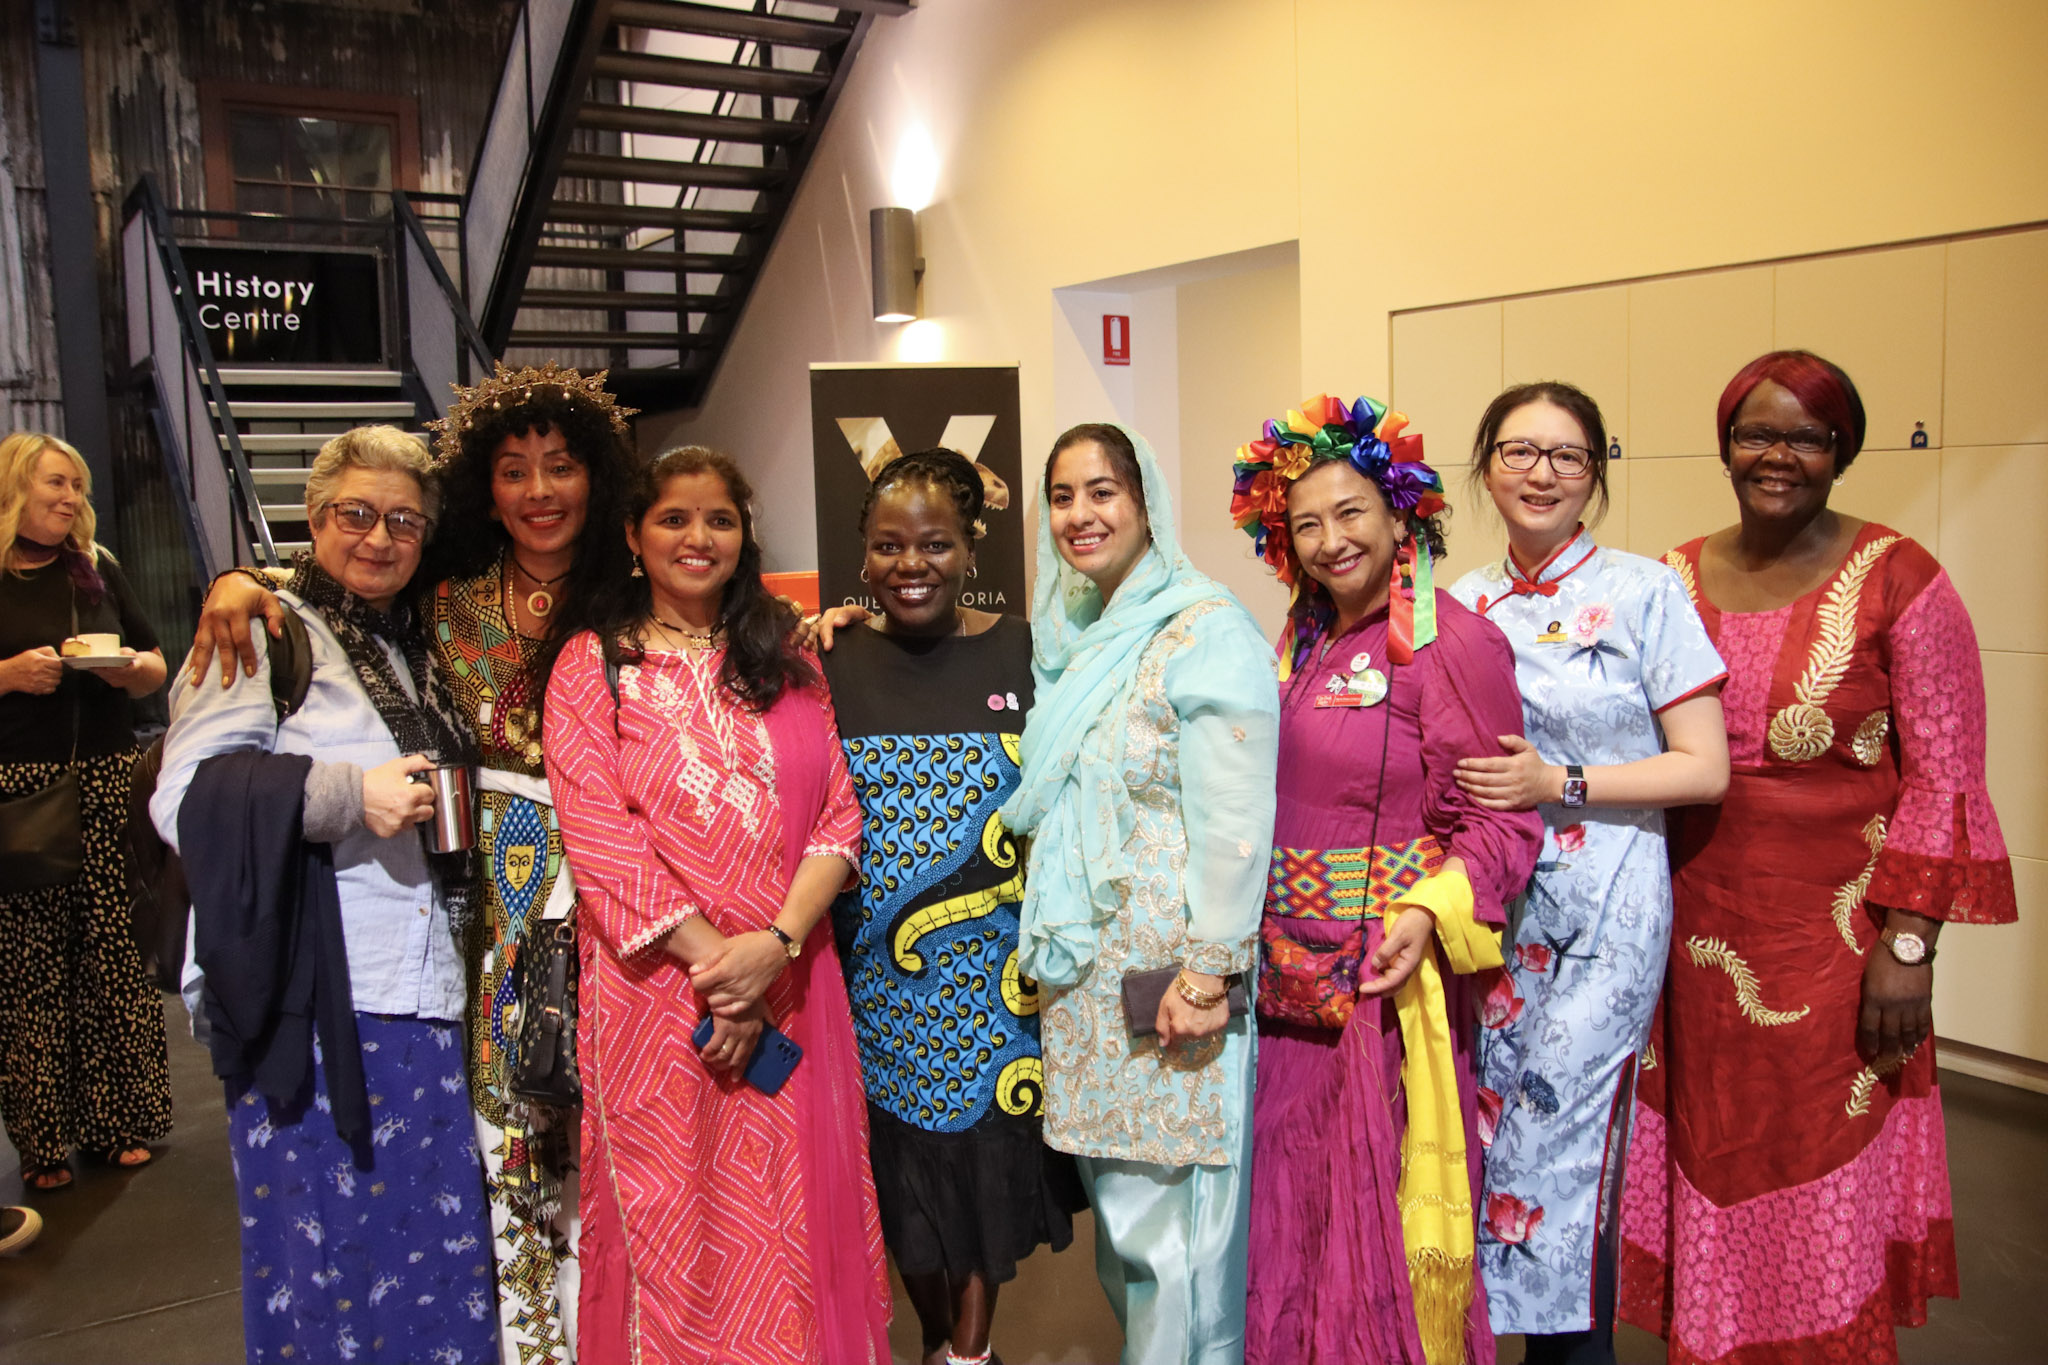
(1347, 883)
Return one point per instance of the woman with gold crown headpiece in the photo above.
(1386, 888)
(536, 470)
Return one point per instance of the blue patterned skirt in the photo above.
(375, 1252)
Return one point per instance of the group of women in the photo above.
(1335, 989)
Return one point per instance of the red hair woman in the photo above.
(1788, 1195)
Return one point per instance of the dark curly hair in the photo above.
(947, 472)
(761, 660)
(468, 540)
(1557, 393)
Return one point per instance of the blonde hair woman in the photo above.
(82, 1059)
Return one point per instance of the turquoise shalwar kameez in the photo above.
(1147, 790)
(1604, 641)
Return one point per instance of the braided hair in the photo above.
(947, 472)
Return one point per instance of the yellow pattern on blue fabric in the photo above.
(947, 1026)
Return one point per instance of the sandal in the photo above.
(46, 1179)
(126, 1156)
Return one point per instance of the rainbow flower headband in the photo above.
(1371, 437)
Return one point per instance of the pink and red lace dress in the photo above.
(718, 1224)
(1784, 1201)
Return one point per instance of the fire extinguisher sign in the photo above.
(1116, 340)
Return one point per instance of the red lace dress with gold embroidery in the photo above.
(1784, 1201)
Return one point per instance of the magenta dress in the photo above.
(1329, 1278)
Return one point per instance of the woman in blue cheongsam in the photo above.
(1621, 702)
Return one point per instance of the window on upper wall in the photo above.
(313, 160)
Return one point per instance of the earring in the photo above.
(1839, 478)
(973, 571)
(863, 573)
(637, 571)
(1726, 472)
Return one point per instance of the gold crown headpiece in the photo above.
(510, 388)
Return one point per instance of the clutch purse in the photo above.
(1144, 990)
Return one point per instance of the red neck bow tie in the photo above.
(1522, 587)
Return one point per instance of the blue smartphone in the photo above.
(775, 1056)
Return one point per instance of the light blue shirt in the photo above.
(402, 957)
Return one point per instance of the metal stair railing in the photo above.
(441, 342)
(514, 172)
(204, 458)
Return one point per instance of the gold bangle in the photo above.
(1196, 996)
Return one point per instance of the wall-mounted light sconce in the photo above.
(892, 244)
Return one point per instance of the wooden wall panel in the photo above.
(1995, 388)
(1579, 337)
(1447, 368)
(1877, 314)
(1687, 337)
(1994, 500)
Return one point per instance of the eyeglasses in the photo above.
(359, 519)
(1805, 441)
(1567, 462)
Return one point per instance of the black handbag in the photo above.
(544, 1063)
(42, 835)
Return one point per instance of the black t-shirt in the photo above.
(35, 610)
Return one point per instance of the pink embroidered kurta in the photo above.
(718, 1224)
(1785, 1201)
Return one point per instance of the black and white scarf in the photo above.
(433, 725)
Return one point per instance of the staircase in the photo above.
(283, 417)
(658, 173)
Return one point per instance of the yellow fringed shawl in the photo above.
(1436, 1187)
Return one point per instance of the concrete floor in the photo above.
(145, 1267)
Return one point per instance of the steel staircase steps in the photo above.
(637, 341)
(625, 300)
(639, 118)
(695, 75)
(656, 216)
(727, 23)
(749, 78)
(348, 413)
(594, 166)
(313, 378)
(618, 258)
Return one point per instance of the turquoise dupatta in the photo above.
(1071, 800)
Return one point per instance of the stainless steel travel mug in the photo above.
(453, 828)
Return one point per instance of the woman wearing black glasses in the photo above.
(1620, 704)
(1788, 1198)
(329, 935)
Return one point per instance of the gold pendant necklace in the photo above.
(692, 638)
(540, 601)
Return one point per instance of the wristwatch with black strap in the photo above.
(1574, 786)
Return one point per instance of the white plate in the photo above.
(97, 660)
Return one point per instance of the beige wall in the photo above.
(1239, 348)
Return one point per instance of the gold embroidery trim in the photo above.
(1683, 566)
(1712, 952)
(1802, 731)
(1866, 746)
(1850, 897)
(1649, 1056)
(1866, 1080)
